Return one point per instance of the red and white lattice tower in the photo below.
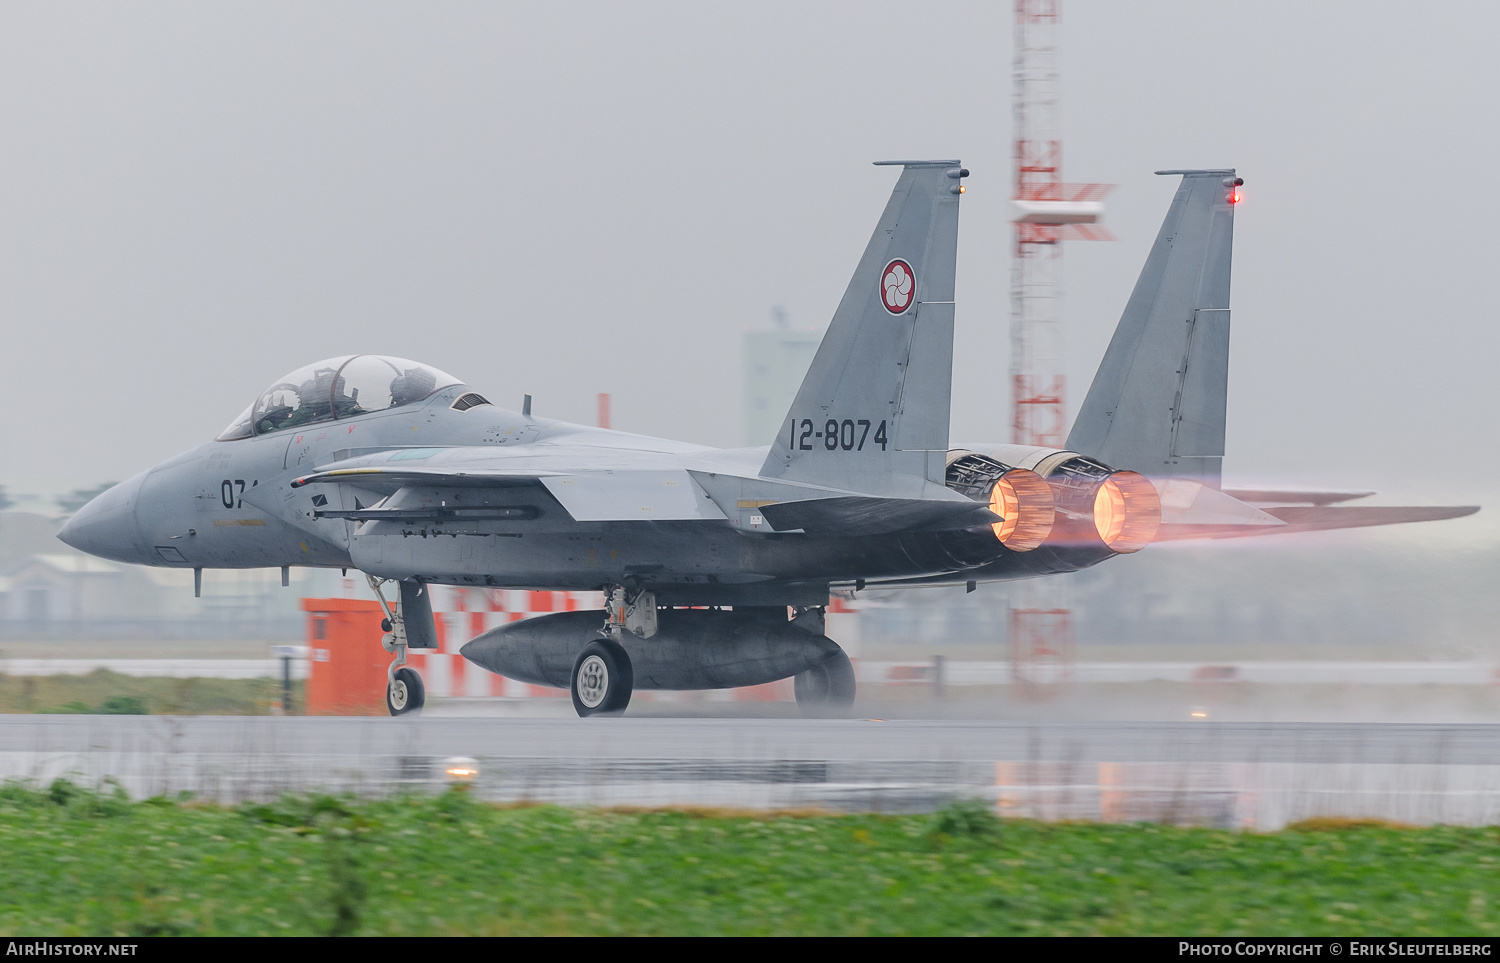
(1048, 212)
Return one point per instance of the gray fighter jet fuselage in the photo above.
(413, 477)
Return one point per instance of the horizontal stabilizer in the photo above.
(1288, 496)
(858, 515)
(1185, 502)
(1318, 518)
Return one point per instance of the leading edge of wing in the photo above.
(448, 478)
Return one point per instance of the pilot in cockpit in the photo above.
(335, 389)
(412, 385)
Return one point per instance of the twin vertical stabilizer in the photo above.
(1157, 403)
(872, 413)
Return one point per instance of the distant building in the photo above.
(44, 590)
(775, 363)
(51, 591)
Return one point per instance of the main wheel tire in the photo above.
(602, 678)
(826, 689)
(405, 693)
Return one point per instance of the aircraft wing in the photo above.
(600, 496)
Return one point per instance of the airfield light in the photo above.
(1024, 502)
(1127, 512)
(460, 769)
(1199, 713)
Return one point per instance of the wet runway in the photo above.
(1226, 774)
(840, 740)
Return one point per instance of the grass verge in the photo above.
(110, 692)
(89, 863)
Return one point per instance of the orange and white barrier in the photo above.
(347, 664)
(463, 614)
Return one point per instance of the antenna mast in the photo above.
(1048, 212)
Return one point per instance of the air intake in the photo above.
(469, 400)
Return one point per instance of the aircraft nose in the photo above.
(106, 526)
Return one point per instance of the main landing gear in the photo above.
(602, 676)
(404, 691)
(826, 689)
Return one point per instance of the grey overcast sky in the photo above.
(568, 198)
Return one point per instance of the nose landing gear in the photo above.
(404, 692)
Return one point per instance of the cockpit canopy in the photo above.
(344, 387)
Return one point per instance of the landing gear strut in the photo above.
(404, 691)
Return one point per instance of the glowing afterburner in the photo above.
(1127, 512)
(1024, 502)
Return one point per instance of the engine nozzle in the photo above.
(1127, 512)
(1022, 498)
(1024, 502)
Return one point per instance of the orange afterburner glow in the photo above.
(1127, 512)
(1024, 502)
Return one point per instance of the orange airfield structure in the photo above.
(346, 661)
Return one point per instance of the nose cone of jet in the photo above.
(106, 526)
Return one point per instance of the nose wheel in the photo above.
(405, 693)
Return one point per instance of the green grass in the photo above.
(109, 692)
(78, 862)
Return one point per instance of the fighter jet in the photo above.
(716, 564)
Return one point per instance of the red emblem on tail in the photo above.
(898, 286)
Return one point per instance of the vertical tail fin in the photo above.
(1157, 404)
(872, 413)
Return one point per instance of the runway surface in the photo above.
(839, 740)
(1224, 774)
(954, 672)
